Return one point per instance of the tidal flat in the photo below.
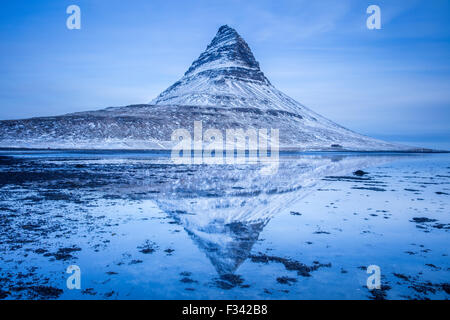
(141, 227)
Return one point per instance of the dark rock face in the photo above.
(228, 47)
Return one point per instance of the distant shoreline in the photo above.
(282, 151)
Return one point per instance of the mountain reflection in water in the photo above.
(224, 208)
(224, 231)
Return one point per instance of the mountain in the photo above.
(224, 88)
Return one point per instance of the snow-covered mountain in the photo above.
(224, 88)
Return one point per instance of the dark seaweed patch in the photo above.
(286, 280)
(229, 281)
(380, 294)
(46, 292)
(369, 188)
(291, 265)
(148, 247)
(422, 220)
(65, 253)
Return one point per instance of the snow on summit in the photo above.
(224, 88)
(225, 71)
(227, 49)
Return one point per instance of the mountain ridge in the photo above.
(224, 88)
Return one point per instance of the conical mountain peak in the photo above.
(226, 73)
(226, 50)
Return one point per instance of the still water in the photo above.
(141, 227)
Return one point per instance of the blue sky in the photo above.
(392, 83)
